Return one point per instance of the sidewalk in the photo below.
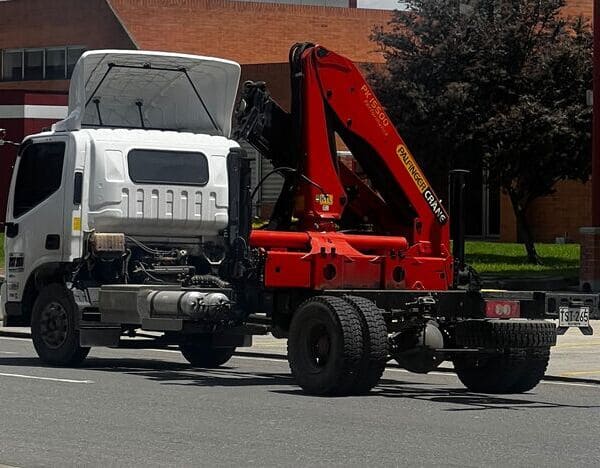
(576, 357)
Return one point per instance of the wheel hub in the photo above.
(319, 345)
(54, 325)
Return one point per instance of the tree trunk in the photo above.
(524, 231)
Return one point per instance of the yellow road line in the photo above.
(589, 372)
(583, 345)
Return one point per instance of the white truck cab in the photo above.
(131, 187)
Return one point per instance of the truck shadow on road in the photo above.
(468, 401)
(165, 372)
(180, 374)
(460, 398)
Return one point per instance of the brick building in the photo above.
(40, 40)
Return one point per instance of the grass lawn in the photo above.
(508, 260)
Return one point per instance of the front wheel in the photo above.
(202, 353)
(54, 327)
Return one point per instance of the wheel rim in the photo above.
(54, 325)
(318, 345)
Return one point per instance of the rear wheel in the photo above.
(375, 344)
(202, 353)
(325, 346)
(54, 327)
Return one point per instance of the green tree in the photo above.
(500, 83)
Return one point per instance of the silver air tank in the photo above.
(185, 304)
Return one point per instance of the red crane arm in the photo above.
(336, 98)
(331, 228)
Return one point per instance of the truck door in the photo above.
(34, 232)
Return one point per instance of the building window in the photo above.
(73, 54)
(53, 63)
(12, 65)
(34, 64)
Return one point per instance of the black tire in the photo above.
(498, 374)
(526, 345)
(54, 329)
(505, 334)
(201, 353)
(325, 346)
(533, 370)
(375, 344)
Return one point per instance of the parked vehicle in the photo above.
(134, 213)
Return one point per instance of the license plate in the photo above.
(573, 316)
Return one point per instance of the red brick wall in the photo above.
(562, 213)
(553, 216)
(42, 23)
(248, 32)
(508, 225)
(579, 7)
(277, 77)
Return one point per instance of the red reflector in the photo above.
(502, 309)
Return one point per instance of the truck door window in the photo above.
(167, 167)
(39, 176)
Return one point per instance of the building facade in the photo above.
(40, 41)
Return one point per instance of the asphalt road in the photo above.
(147, 408)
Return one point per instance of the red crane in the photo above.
(330, 228)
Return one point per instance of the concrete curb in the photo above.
(14, 333)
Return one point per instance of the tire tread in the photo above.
(375, 343)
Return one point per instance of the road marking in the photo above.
(235, 356)
(13, 338)
(569, 384)
(573, 346)
(404, 371)
(51, 379)
(256, 358)
(567, 374)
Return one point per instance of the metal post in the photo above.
(457, 220)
